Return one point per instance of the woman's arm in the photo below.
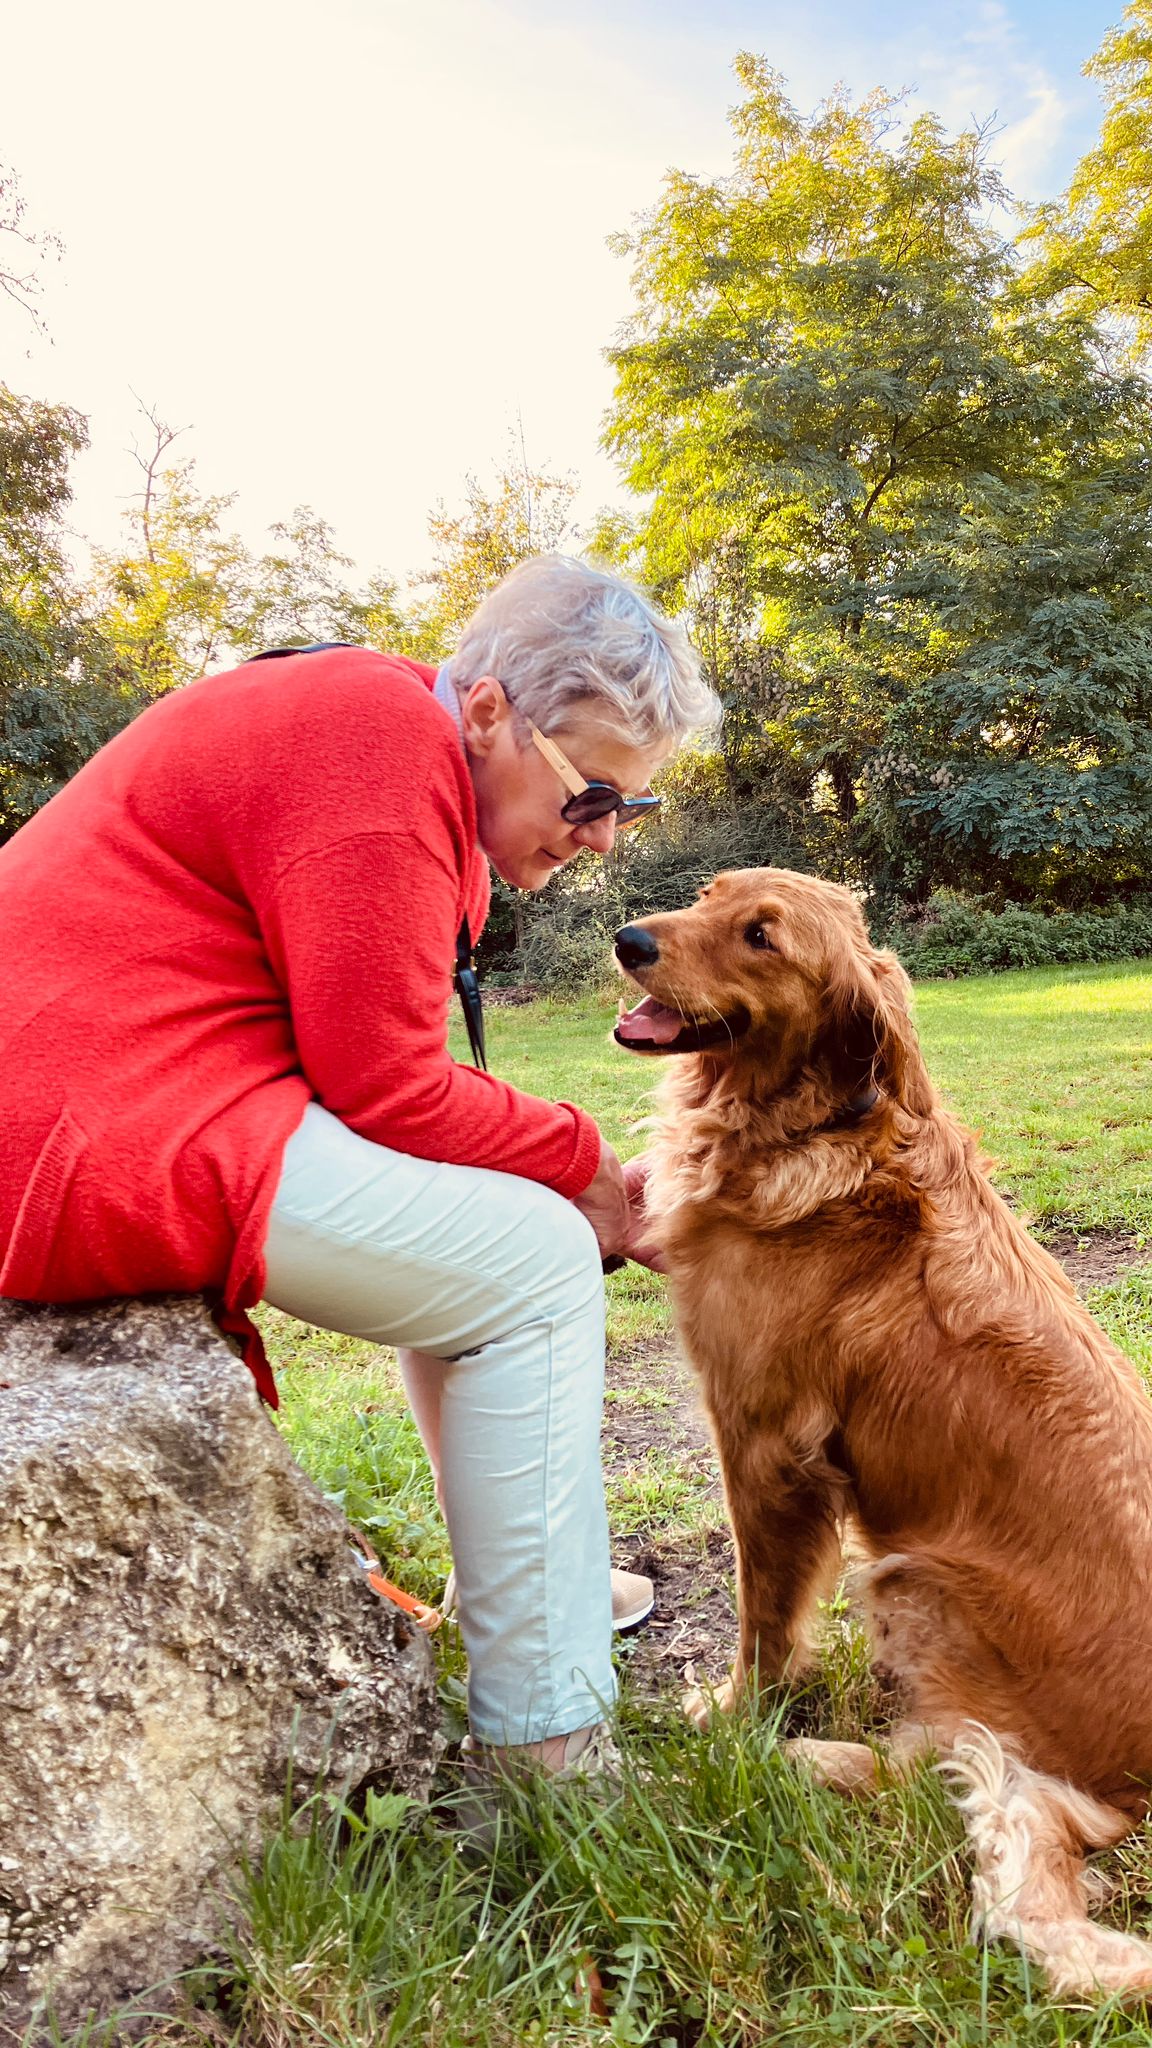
(362, 936)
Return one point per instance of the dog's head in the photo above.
(775, 968)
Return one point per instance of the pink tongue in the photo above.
(650, 1023)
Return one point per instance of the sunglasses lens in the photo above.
(594, 802)
(599, 798)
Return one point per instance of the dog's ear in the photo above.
(871, 1028)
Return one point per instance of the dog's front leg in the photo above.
(787, 1541)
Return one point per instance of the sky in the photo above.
(352, 247)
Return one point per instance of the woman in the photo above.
(230, 945)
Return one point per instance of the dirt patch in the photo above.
(652, 1404)
(515, 996)
(1097, 1258)
(653, 1411)
(694, 1619)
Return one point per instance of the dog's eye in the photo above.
(755, 935)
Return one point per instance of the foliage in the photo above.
(1095, 242)
(527, 513)
(298, 592)
(951, 935)
(175, 600)
(62, 693)
(1021, 758)
(846, 410)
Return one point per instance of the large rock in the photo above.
(182, 1627)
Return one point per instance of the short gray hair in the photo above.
(561, 634)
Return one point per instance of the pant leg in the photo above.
(500, 1278)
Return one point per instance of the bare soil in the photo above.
(1097, 1258)
(694, 1621)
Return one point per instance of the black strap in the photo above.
(854, 1112)
(465, 978)
(313, 647)
(468, 990)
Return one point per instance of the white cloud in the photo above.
(993, 74)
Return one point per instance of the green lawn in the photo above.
(724, 1901)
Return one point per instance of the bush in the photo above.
(953, 935)
(565, 944)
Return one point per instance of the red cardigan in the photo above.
(246, 901)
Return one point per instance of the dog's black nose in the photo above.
(635, 947)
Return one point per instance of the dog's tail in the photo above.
(1028, 1833)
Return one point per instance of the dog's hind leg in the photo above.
(854, 1767)
(1028, 1834)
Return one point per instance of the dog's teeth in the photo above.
(621, 1008)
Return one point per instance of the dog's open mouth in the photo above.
(655, 1027)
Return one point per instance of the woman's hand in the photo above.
(605, 1203)
(638, 1244)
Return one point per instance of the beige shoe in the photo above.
(633, 1598)
(587, 1753)
(589, 1757)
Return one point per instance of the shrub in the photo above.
(566, 932)
(953, 935)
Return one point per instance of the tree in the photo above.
(1095, 242)
(299, 590)
(833, 368)
(1023, 766)
(527, 513)
(174, 602)
(62, 693)
(21, 269)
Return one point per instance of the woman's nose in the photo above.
(600, 835)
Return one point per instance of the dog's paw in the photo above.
(701, 1702)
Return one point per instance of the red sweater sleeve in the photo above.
(362, 935)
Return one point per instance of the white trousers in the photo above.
(500, 1279)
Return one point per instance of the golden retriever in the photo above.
(881, 1342)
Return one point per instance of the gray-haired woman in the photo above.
(224, 1062)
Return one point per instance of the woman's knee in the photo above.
(562, 1250)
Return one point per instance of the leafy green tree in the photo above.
(1022, 767)
(176, 599)
(299, 590)
(1094, 244)
(526, 513)
(832, 368)
(62, 693)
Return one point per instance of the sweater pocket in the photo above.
(27, 1269)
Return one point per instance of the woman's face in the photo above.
(519, 797)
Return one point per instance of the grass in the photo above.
(721, 1900)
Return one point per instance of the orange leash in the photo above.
(426, 1618)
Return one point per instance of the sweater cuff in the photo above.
(581, 1168)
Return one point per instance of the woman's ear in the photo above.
(870, 1027)
(484, 711)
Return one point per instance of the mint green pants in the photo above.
(500, 1279)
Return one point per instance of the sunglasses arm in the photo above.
(573, 781)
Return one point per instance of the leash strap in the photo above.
(465, 979)
(468, 990)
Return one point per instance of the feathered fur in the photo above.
(877, 1336)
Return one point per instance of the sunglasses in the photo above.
(591, 800)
